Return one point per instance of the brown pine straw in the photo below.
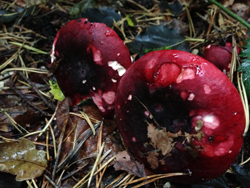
(244, 99)
(152, 178)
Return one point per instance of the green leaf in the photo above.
(130, 21)
(102, 15)
(158, 38)
(245, 67)
(56, 91)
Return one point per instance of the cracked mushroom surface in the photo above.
(89, 59)
(177, 112)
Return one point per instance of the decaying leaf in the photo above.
(62, 115)
(124, 162)
(79, 145)
(22, 159)
(17, 110)
(153, 160)
(241, 10)
(161, 139)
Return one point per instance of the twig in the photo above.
(230, 13)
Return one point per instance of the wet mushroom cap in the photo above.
(219, 55)
(177, 112)
(89, 59)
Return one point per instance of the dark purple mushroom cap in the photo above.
(177, 112)
(219, 55)
(89, 59)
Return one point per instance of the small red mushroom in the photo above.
(219, 55)
(177, 112)
(89, 59)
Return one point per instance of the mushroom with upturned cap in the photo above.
(89, 59)
(177, 112)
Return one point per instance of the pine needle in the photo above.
(29, 48)
(244, 99)
(86, 117)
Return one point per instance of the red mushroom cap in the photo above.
(89, 60)
(177, 112)
(220, 56)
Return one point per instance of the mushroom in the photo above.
(219, 55)
(89, 59)
(177, 112)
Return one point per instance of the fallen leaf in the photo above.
(124, 162)
(22, 159)
(56, 91)
(242, 174)
(175, 7)
(220, 182)
(161, 139)
(152, 159)
(18, 110)
(79, 145)
(158, 38)
(241, 10)
(102, 15)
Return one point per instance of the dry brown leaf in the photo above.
(152, 159)
(241, 10)
(77, 129)
(18, 110)
(62, 115)
(161, 139)
(124, 162)
(22, 159)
